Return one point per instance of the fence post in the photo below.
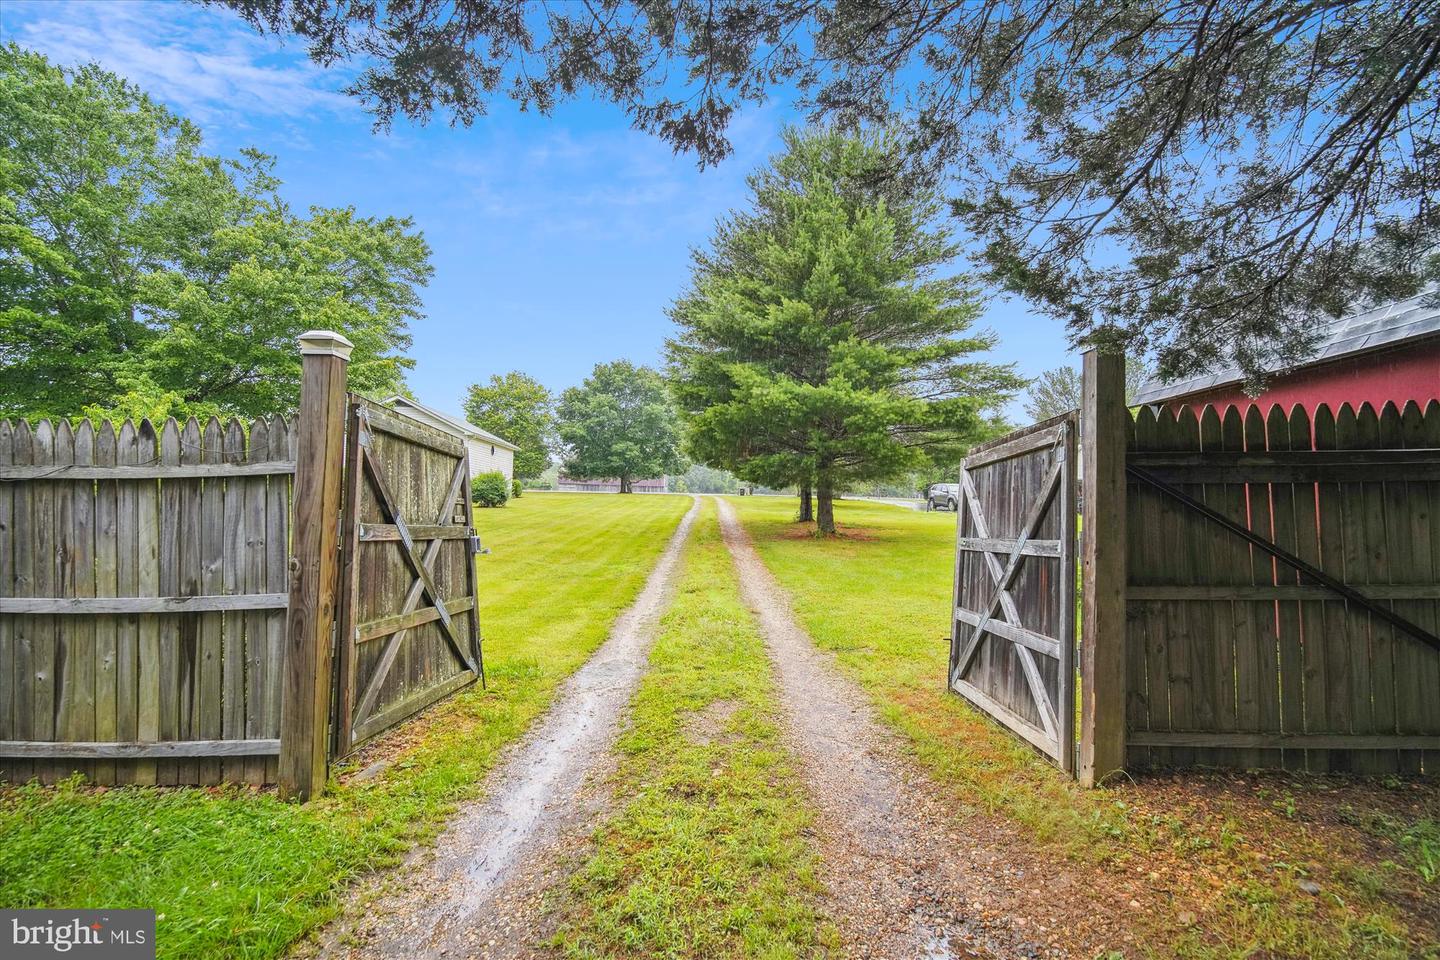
(1103, 431)
(305, 694)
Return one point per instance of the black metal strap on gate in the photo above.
(1314, 573)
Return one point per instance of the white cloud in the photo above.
(553, 178)
(207, 63)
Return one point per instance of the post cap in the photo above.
(325, 343)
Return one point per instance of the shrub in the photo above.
(516, 488)
(489, 489)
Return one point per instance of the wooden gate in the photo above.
(407, 627)
(1012, 642)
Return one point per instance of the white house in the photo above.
(487, 451)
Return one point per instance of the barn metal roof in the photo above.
(1359, 332)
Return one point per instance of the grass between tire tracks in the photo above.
(236, 873)
(708, 856)
(1239, 852)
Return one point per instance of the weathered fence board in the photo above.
(1236, 657)
(135, 604)
(8, 691)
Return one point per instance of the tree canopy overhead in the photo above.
(822, 341)
(141, 275)
(1197, 179)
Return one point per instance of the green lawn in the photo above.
(1233, 847)
(706, 857)
(239, 874)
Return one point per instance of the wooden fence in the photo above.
(142, 599)
(169, 596)
(409, 630)
(1283, 589)
(1260, 588)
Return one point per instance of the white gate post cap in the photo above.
(325, 343)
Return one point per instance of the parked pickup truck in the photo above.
(942, 496)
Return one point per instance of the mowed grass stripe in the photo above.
(878, 597)
(238, 874)
(707, 856)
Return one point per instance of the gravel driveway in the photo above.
(903, 882)
(477, 892)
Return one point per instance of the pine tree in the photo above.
(820, 342)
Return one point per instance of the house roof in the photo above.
(1360, 332)
(459, 426)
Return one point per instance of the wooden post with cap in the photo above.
(314, 562)
(1104, 426)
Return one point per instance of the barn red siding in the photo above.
(1411, 371)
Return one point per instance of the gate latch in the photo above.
(475, 545)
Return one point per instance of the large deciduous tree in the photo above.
(619, 423)
(142, 274)
(821, 342)
(1193, 179)
(519, 408)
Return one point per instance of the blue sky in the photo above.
(558, 242)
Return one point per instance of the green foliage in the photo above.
(144, 399)
(1419, 840)
(237, 875)
(516, 488)
(619, 423)
(702, 479)
(819, 341)
(1190, 179)
(517, 407)
(161, 279)
(489, 489)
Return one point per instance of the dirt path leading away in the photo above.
(475, 894)
(904, 881)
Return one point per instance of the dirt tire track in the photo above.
(477, 892)
(902, 881)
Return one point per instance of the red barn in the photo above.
(1387, 353)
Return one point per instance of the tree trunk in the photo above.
(625, 485)
(825, 509)
(807, 509)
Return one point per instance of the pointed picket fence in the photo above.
(1236, 658)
